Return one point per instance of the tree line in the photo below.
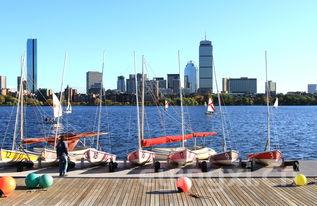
(192, 100)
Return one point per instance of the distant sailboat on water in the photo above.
(210, 107)
(275, 103)
(166, 105)
(68, 108)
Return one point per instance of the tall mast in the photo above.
(142, 108)
(181, 100)
(18, 107)
(224, 142)
(60, 99)
(21, 107)
(268, 141)
(137, 102)
(100, 103)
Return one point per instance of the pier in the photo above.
(142, 186)
(162, 191)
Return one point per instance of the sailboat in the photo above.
(95, 155)
(166, 105)
(210, 107)
(227, 157)
(48, 155)
(183, 155)
(179, 155)
(268, 157)
(68, 108)
(275, 105)
(17, 153)
(140, 156)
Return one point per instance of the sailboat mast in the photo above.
(100, 103)
(224, 141)
(181, 100)
(137, 102)
(21, 107)
(60, 99)
(268, 140)
(18, 107)
(142, 108)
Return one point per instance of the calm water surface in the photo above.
(293, 128)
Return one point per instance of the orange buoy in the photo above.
(183, 184)
(7, 185)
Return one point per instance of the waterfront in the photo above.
(292, 127)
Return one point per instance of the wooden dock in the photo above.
(162, 191)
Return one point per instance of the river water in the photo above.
(293, 128)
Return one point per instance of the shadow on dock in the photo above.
(162, 192)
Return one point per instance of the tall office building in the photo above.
(121, 84)
(19, 82)
(131, 84)
(312, 88)
(241, 85)
(93, 82)
(3, 82)
(173, 82)
(272, 87)
(205, 66)
(190, 77)
(161, 82)
(31, 64)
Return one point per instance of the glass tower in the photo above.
(191, 77)
(31, 64)
(205, 66)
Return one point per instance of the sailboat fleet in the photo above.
(147, 151)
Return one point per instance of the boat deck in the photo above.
(162, 191)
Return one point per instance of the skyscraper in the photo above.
(31, 63)
(131, 84)
(272, 88)
(173, 82)
(3, 82)
(162, 82)
(19, 82)
(312, 88)
(205, 66)
(93, 82)
(121, 84)
(190, 77)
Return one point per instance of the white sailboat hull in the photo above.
(96, 157)
(141, 157)
(182, 157)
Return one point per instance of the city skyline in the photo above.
(239, 31)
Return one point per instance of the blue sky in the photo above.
(240, 32)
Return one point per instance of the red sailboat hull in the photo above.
(268, 158)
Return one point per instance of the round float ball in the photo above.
(300, 180)
(183, 184)
(46, 181)
(7, 185)
(32, 180)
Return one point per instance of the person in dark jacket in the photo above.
(62, 155)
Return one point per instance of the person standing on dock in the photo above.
(62, 154)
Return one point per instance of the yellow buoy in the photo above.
(300, 180)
